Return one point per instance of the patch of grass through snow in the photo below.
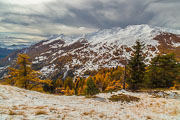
(123, 98)
(11, 112)
(41, 112)
(89, 113)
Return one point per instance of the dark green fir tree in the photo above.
(91, 88)
(136, 66)
(163, 71)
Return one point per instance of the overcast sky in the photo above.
(32, 20)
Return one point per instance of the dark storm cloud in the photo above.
(125, 13)
(82, 16)
(111, 13)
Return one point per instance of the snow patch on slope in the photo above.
(47, 70)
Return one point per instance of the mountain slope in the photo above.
(63, 55)
(20, 104)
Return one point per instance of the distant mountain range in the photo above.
(14, 46)
(62, 55)
(4, 52)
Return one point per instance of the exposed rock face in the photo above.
(73, 55)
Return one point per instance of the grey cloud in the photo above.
(126, 13)
(98, 15)
(59, 16)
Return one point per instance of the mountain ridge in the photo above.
(115, 30)
(62, 55)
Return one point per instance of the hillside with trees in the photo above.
(162, 72)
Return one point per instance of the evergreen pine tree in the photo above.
(76, 85)
(91, 88)
(163, 71)
(178, 74)
(136, 66)
(81, 85)
(69, 83)
(58, 83)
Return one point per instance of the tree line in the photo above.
(162, 72)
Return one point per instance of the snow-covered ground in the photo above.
(17, 104)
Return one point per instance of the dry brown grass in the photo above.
(40, 107)
(15, 108)
(3, 97)
(63, 118)
(175, 112)
(26, 107)
(89, 113)
(52, 109)
(73, 109)
(102, 116)
(21, 113)
(23, 107)
(41, 112)
(123, 98)
(4, 112)
(148, 117)
(11, 112)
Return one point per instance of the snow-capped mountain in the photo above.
(62, 55)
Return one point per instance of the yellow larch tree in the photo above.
(24, 76)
